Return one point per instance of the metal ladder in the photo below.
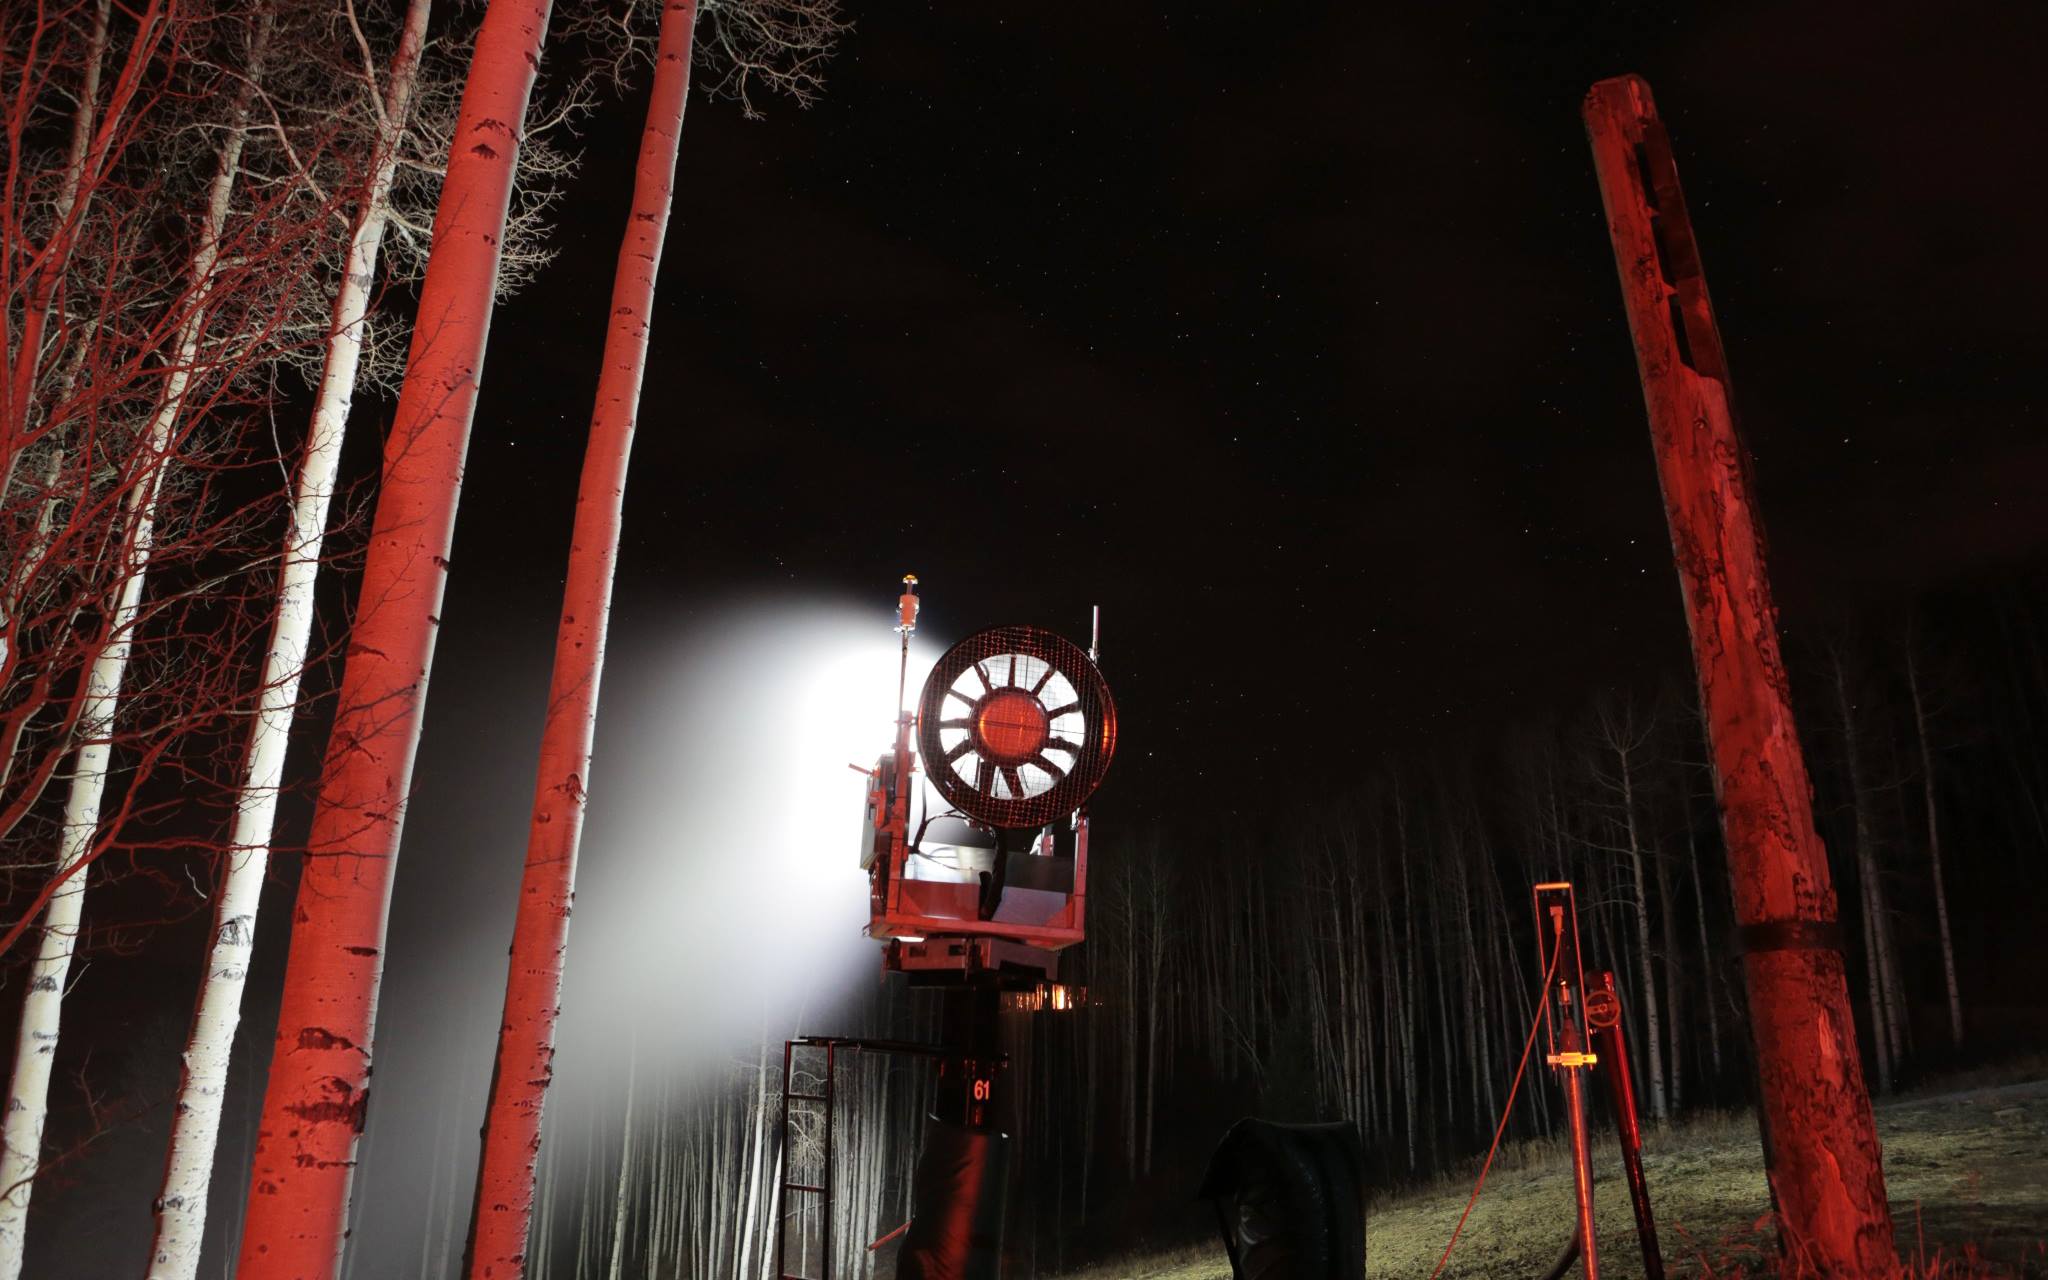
(822, 1188)
(791, 1184)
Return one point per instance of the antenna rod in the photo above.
(906, 623)
(1094, 631)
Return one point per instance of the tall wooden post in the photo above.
(1820, 1143)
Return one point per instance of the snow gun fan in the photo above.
(986, 881)
(1016, 727)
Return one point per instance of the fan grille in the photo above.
(1016, 726)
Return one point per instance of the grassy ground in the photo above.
(1967, 1169)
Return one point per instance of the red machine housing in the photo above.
(1014, 729)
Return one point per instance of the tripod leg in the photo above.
(1567, 1258)
(1582, 1167)
(1621, 1086)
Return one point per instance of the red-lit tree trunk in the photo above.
(1821, 1148)
(314, 1106)
(195, 1124)
(540, 934)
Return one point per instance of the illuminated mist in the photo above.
(719, 898)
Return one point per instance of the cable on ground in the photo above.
(1536, 1025)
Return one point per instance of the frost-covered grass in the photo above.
(1966, 1164)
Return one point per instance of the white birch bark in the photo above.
(749, 1230)
(1674, 1020)
(1621, 736)
(1155, 971)
(1886, 1005)
(195, 1128)
(1653, 1028)
(433, 1194)
(1948, 948)
(622, 1196)
(1880, 1020)
(36, 1046)
(1709, 967)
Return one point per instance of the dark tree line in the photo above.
(1370, 957)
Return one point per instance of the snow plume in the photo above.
(721, 881)
(719, 897)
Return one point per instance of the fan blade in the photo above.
(1061, 744)
(1058, 774)
(1016, 781)
(955, 693)
(984, 777)
(956, 724)
(1057, 712)
(966, 745)
(1013, 672)
(1050, 672)
(986, 687)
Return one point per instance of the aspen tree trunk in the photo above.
(433, 1193)
(195, 1126)
(1155, 969)
(540, 933)
(1653, 1026)
(1820, 1140)
(622, 1192)
(1674, 1020)
(1411, 995)
(1886, 1013)
(450, 1194)
(1368, 1075)
(36, 1044)
(1446, 1025)
(315, 1105)
(1129, 907)
(1880, 1018)
(1498, 1000)
(749, 1230)
(548, 1192)
(586, 1200)
(1708, 967)
(1390, 995)
(721, 1187)
(1468, 958)
(1090, 1060)
(1948, 946)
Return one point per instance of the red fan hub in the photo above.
(1012, 725)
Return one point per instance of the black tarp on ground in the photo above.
(1290, 1199)
(957, 1200)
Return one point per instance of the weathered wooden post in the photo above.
(1820, 1144)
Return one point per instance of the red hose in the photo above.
(1542, 994)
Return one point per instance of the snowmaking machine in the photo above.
(1014, 729)
(975, 843)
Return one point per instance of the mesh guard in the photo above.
(1016, 727)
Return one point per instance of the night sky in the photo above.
(1294, 341)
